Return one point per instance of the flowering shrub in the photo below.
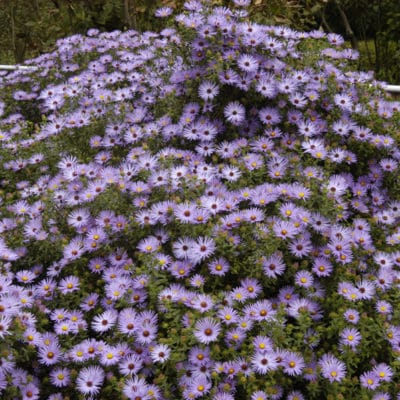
(210, 212)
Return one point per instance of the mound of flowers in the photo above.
(207, 212)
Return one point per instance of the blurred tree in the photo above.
(32, 27)
(372, 26)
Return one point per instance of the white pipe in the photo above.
(392, 88)
(388, 88)
(18, 67)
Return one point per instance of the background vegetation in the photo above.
(31, 27)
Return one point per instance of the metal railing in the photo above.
(388, 88)
(18, 67)
(392, 88)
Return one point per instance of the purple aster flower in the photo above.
(119, 223)
(228, 315)
(74, 249)
(65, 328)
(79, 218)
(136, 387)
(304, 278)
(252, 286)
(336, 186)
(384, 260)
(104, 321)
(69, 284)
(25, 276)
(259, 395)
(331, 368)
(304, 305)
(197, 280)
(310, 371)
(343, 101)
(30, 391)
(267, 87)
(245, 81)
(383, 307)
(231, 173)
(148, 245)
(208, 90)
(94, 238)
(97, 265)
(235, 113)
(261, 310)
(203, 248)
(50, 355)
(350, 337)
(362, 133)
(60, 377)
(269, 116)
(245, 323)
(219, 266)
(229, 77)
(369, 380)
(351, 316)
(322, 267)
(163, 12)
(382, 396)
(131, 364)
(285, 229)
(183, 247)
(274, 265)
(89, 302)
(200, 386)
(315, 147)
(223, 396)
(185, 212)
(348, 291)
(385, 279)
(253, 161)
(109, 356)
(5, 323)
(181, 269)
(207, 330)
(383, 372)
(366, 289)
(295, 395)
(239, 294)
(287, 85)
(242, 3)
(264, 362)
(342, 127)
(243, 366)
(160, 353)
(262, 344)
(298, 99)
(202, 302)
(247, 63)
(146, 332)
(199, 356)
(335, 39)
(226, 150)
(21, 207)
(127, 321)
(253, 215)
(90, 380)
(341, 250)
(293, 364)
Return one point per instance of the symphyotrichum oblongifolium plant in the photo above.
(208, 212)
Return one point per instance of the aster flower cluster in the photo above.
(207, 212)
